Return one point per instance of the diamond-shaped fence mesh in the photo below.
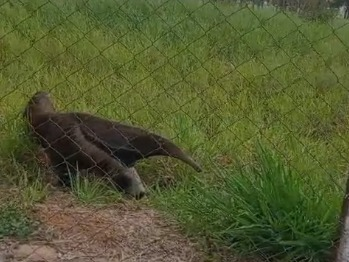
(127, 126)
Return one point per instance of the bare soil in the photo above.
(126, 231)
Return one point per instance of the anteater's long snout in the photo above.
(133, 182)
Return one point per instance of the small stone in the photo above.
(24, 251)
(36, 253)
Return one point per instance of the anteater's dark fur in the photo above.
(93, 142)
(63, 140)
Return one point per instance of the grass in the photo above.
(214, 78)
(93, 190)
(32, 191)
(266, 209)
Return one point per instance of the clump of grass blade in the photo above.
(266, 209)
(93, 190)
(278, 213)
(32, 189)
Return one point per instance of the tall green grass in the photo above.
(213, 77)
(267, 209)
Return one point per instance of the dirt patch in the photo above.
(124, 232)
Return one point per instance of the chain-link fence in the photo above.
(229, 117)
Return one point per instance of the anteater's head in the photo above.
(129, 181)
(39, 103)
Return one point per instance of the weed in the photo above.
(14, 222)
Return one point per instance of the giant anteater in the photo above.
(96, 144)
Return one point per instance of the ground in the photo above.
(70, 231)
